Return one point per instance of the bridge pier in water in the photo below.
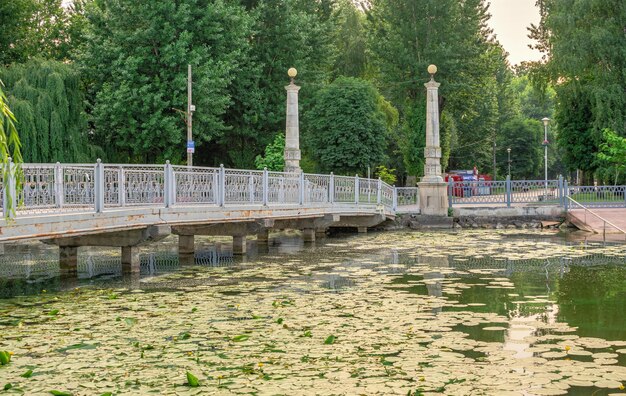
(128, 241)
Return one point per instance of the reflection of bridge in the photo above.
(73, 205)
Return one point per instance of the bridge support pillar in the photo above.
(68, 261)
(186, 250)
(130, 260)
(186, 244)
(263, 237)
(320, 233)
(239, 244)
(362, 230)
(308, 235)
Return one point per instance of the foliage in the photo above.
(386, 175)
(274, 159)
(347, 127)
(33, 28)
(285, 33)
(351, 43)
(9, 138)
(48, 100)
(454, 36)
(583, 43)
(523, 136)
(613, 154)
(135, 58)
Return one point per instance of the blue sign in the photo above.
(191, 147)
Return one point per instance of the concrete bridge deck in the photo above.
(126, 206)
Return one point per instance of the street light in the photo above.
(546, 121)
(509, 153)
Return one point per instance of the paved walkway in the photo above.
(595, 223)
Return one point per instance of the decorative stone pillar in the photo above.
(292, 131)
(432, 189)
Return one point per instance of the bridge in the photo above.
(126, 206)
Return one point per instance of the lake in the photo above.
(515, 312)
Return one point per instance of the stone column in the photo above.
(432, 189)
(292, 131)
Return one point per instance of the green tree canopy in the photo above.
(347, 128)
(274, 158)
(135, 58)
(408, 35)
(48, 102)
(585, 59)
(612, 155)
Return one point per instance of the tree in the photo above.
(135, 58)
(274, 158)
(612, 155)
(9, 145)
(406, 36)
(14, 16)
(583, 43)
(284, 34)
(9, 138)
(47, 98)
(42, 28)
(523, 136)
(347, 126)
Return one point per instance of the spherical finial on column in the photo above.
(432, 69)
(292, 73)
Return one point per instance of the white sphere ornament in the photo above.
(292, 72)
(432, 69)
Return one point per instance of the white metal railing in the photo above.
(604, 221)
(58, 188)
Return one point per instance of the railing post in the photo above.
(560, 189)
(251, 187)
(379, 191)
(98, 175)
(222, 186)
(508, 191)
(121, 186)
(266, 184)
(356, 189)
(565, 195)
(9, 199)
(331, 188)
(450, 191)
(394, 201)
(301, 188)
(58, 185)
(170, 185)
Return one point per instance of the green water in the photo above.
(493, 313)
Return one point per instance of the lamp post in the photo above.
(546, 121)
(508, 150)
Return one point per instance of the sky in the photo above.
(509, 20)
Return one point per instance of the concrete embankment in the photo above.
(484, 217)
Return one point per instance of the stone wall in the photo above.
(489, 218)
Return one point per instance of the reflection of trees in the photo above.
(594, 301)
